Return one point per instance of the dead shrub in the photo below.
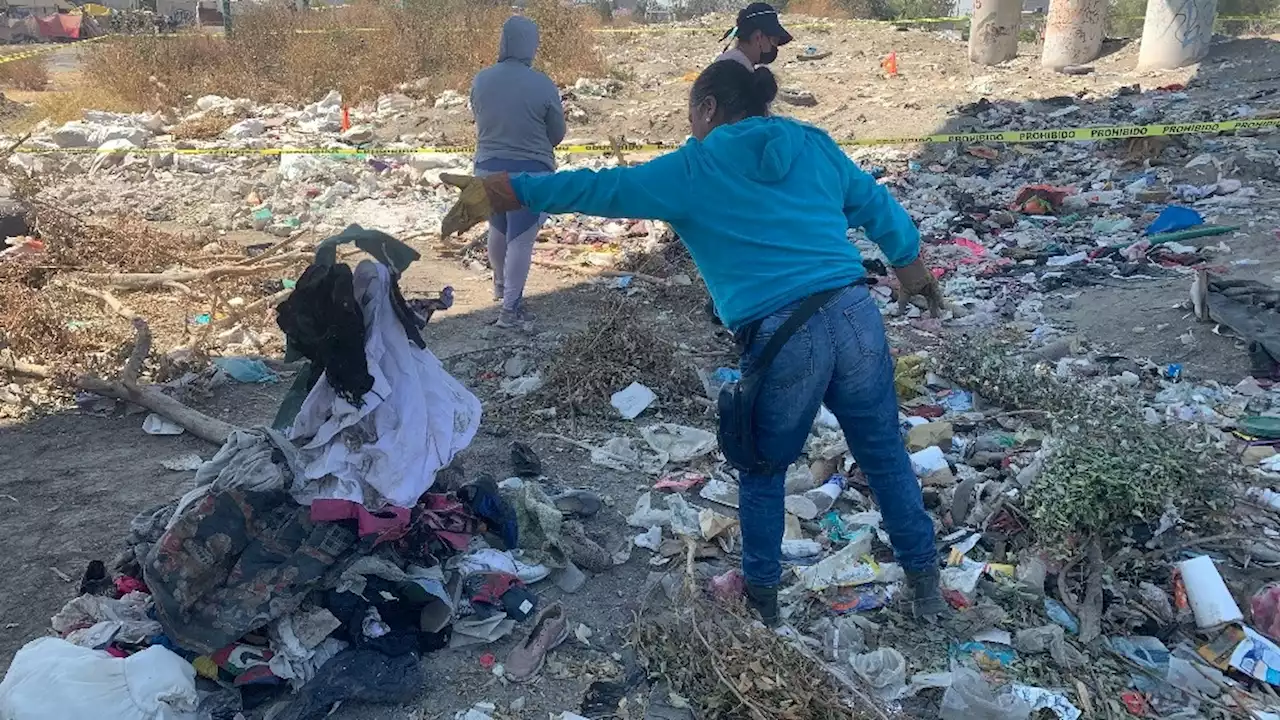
(819, 8)
(24, 74)
(729, 667)
(613, 352)
(204, 127)
(363, 50)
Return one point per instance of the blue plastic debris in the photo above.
(728, 375)
(1173, 219)
(246, 370)
(1060, 615)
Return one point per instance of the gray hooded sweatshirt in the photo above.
(517, 109)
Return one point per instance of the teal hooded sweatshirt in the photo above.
(763, 205)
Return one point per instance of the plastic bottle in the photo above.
(824, 496)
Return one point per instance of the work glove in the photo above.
(481, 197)
(916, 279)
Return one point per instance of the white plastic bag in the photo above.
(971, 698)
(51, 679)
(885, 670)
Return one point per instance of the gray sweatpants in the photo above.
(511, 238)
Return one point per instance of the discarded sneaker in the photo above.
(582, 503)
(550, 629)
(764, 600)
(927, 602)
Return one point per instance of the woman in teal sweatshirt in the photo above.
(764, 205)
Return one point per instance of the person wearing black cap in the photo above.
(759, 33)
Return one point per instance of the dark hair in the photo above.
(739, 92)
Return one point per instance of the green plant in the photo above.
(1106, 469)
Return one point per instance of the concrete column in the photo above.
(993, 31)
(1176, 33)
(1073, 32)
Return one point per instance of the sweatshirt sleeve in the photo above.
(868, 205)
(656, 190)
(555, 118)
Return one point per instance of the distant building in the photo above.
(964, 8)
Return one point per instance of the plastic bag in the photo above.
(1266, 611)
(51, 679)
(246, 370)
(971, 698)
(885, 670)
(1050, 639)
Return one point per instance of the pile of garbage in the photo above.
(139, 166)
(319, 559)
(1153, 609)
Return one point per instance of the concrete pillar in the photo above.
(1176, 33)
(1073, 32)
(993, 31)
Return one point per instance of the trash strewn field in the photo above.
(1094, 420)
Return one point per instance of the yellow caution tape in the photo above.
(45, 49)
(1083, 134)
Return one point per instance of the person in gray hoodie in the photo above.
(519, 120)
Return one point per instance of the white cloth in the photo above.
(411, 424)
(51, 679)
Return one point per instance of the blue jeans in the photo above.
(840, 357)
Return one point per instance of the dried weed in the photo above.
(728, 667)
(617, 350)
(362, 50)
(25, 74)
(1106, 469)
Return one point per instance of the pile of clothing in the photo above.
(314, 561)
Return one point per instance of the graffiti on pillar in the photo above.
(1189, 18)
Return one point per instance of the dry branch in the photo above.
(143, 281)
(13, 365)
(127, 388)
(269, 301)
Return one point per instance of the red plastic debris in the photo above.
(1040, 199)
(1135, 702)
(890, 64)
(487, 661)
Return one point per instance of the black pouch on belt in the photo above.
(737, 401)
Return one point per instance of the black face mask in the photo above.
(768, 56)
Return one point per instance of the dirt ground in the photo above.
(70, 483)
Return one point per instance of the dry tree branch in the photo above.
(269, 301)
(9, 363)
(142, 281)
(127, 388)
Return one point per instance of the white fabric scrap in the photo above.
(413, 422)
(86, 611)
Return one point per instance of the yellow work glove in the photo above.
(481, 197)
(916, 279)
